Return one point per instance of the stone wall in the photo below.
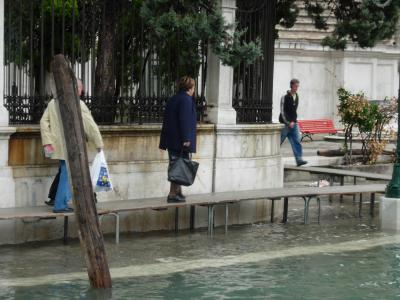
(232, 157)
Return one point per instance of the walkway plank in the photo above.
(200, 199)
(340, 172)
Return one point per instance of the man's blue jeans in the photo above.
(63, 194)
(293, 134)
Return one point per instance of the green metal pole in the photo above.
(393, 188)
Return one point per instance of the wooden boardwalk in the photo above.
(211, 200)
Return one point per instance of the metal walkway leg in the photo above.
(342, 184)
(226, 216)
(65, 239)
(116, 216)
(372, 205)
(331, 183)
(210, 219)
(307, 201)
(354, 195)
(176, 219)
(360, 206)
(272, 210)
(192, 217)
(285, 209)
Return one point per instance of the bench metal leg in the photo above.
(192, 216)
(285, 209)
(331, 182)
(65, 239)
(354, 195)
(372, 204)
(307, 201)
(306, 207)
(176, 219)
(210, 219)
(342, 184)
(116, 216)
(272, 210)
(360, 206)
(226, 216)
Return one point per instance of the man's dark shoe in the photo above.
(50, 202)
(181, 196)
(301, 163)
(175, 199)
(66, 210)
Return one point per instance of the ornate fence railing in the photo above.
(126, 110)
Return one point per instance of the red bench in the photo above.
(320, 126)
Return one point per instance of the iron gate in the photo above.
(36, 30)
(253, 84)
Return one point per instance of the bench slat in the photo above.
(317, 126)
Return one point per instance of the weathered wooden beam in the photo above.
(89, 232)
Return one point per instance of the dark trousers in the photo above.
(54, 186)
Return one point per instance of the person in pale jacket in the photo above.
(50, 129)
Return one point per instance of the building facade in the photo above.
(321, 71)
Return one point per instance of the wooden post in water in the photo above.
(89, 232)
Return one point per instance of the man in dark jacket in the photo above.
(178, 134)
(288, 116)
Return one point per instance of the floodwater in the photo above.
(344, 257)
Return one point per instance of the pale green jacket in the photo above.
(50, 129)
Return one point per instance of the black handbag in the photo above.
(182, 171)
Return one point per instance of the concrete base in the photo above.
(389, 213)
(7, 182)
(4, 118)
(222, 116)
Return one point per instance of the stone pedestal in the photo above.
(6, 175)
(219, 92)
(3, 111)
(389, 213)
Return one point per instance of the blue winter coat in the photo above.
(180, 122)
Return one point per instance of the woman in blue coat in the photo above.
(178, 134)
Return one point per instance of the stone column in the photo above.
(6, 177)
(219, 91)
(3, 110)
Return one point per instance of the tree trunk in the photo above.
(89, 232)
(104, 89)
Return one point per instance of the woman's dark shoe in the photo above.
(50, 202)
(181, 196)
(175, 199)
(65, 210)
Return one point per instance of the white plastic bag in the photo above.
(100, 174)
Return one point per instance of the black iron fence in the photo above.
(253, 84)
(143, 74)
(124, 110)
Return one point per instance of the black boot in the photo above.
(50, 202)
(175, 199)
(301, 162)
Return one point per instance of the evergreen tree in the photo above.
(364, 22)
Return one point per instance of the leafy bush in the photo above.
(367, 120)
